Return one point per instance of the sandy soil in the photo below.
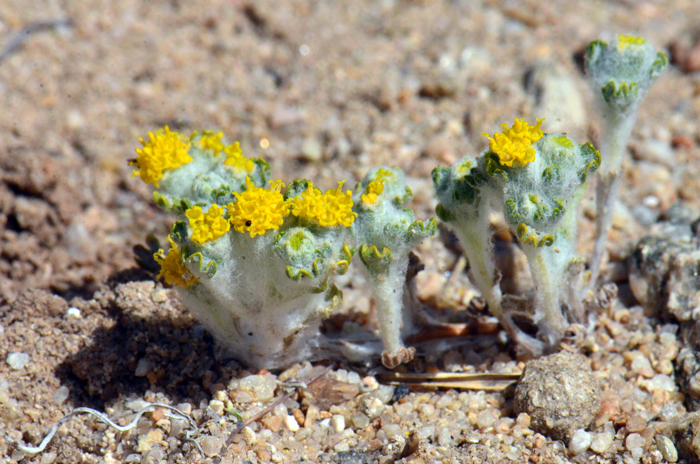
(323, 90)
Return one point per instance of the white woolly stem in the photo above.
(388, 296)
(478, 247)
(614, 143)
(546, 275)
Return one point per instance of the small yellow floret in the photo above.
(514, 144)
(624, 41)
(235, 158)
(172, 268)
(372, 191)
(328, 209)
(164, 150)
(376, 187)
(207, 226)
(258, 210)
(211, 140)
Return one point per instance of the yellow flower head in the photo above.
(210, 140)
(235, 158)
(376, 187)
(172, 268)
(624, 41)
(207, 226)
(164, 150)
(514, 144)
(258, 210)
(328, 209)
(372, 191)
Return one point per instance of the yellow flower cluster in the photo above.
(258, 209)
(372, 191)
(624, 41)
(207, 226)
(514, 144)
(172, 268)
(164, 150)
(375, 188)
(211, 140)
(328, 209)
(235, 158)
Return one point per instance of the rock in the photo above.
(291, 424)
(311, 149)
(641, 365)
(61, 395)
(327, 391)
(143, 367)
(211, 446)
(445, 437)
(667, 448)
(17, 361)
(662, 276)
(580, 442)
(685, 55)
(360, 420)
(560, 394)
(688, 366)
(260, 387)
(687, 437)
(602, 442)
(338, 423)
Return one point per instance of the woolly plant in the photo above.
(621, 73)
(385, 232)
(253, 264)
(537, 182)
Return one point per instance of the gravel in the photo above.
(325, 90)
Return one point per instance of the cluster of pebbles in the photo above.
(618, 403)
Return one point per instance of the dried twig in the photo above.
(103, 418)
(28, 30)
(460, 381)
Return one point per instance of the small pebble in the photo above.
(17, 361)
(660, 382)
(667, 448)
(602, 442)
(143, 367)
(392, 430)
(260, 387)
(360, 420)
(217, 407)
(249, 435)
(373, 407)
(338, 423)
(73, 313)
(640, 365)
(291, 423)
(634, 440)
(61, 395)
(342, 447)
(210, 445)
(580, 441)
(486, 418)
(445, 437)
(384, 393)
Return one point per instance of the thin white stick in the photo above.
(103, 418)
